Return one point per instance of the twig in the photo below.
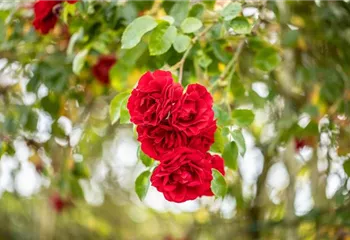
(233, 61)
(180, 64)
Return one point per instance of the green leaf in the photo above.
(209, 3)
(222, 116)
(124, 112)
(243, 117)
(267, 59)
(240, 25)
(116, 106)
(79, 60)
(179, 11)
(32, 121)
(161, 39)
(81, 170)
(2, 30)
(230, 155)
(218, 184)
(136, 29)
(68, 10)
(237, 136)
(197, 10)
(191, 24)
(51, 104)
(236, 87)
(142, 184)
(74, 39)
(218, 145)
(169, 19)
(203, 59)
(76, 190)
(346, 166)
(181, 43)
(146, 160)
(120, 71)
(231, 11)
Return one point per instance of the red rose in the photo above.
(205, 139)
(101, 69)
(46, 14)
(57, 202)
(45, 17)
(157, 140)
(154, 97)
(185, 174)
(194, 112)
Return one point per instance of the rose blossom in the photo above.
(162, 138)
(153, 98)
(46, 14)
(194, 112)
(45, 17)
(185, 174)
(101, 69)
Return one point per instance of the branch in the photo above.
(181, 63)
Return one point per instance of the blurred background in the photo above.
(67, 172)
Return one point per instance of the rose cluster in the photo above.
(177, 129)
(46, 14)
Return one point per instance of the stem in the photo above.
(181, 63)
(233, 61)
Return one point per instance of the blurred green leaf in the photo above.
(32, 121)
(222, 117)
(75, 188)
(161, 39)
(142, 184)
(218, 184)
(191, 24)
(243, 117)
(231, 11)
(181, 43)
(209, 3)
(51, 104)
(290, 38)
(179, 11)
(68, 10)
(238, 138)
(196, 10)
(79, 60)
(124, 112)
(236, 87)
(81, 170)
(267, 59)
(74, 39)
(136, 29)
(230, 155)
(240, 25)
(346, 166)
(218, 145)
(220, 52)
(116, 106)
(203, 59)
(146, 160)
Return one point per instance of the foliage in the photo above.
(278, 71)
